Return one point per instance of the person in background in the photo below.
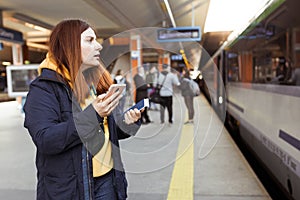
(295, 79)
(281, 70)
(121, 79)
(151, 80)
(141, 92)
(168, 80)
(188, 95)
(72, 122)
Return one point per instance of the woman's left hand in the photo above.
(132, 116)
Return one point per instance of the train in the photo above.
(249, 82)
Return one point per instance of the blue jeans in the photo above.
(104, 188)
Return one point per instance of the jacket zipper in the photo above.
(88, 174)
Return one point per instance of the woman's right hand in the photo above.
(105, 105)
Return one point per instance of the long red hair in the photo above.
(65, 49)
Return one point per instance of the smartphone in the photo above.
(140, 105)
(115, 88)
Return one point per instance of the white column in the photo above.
(17, 54)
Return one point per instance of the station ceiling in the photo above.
(108, 17)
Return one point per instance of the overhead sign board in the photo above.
(10, 35)
(179, 34)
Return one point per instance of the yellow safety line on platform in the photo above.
(182, 181)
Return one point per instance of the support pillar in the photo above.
(135, 59)
(164, 58)
(17, 53)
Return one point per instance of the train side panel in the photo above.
(269, 120)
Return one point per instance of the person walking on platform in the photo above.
(151, 80)
(295, 79)
(74, 124)
(168, 80)
(188, 95)
(121, 79)
(141, 92)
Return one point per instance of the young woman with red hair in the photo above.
(73, 122)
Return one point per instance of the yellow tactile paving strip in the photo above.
(182, 181)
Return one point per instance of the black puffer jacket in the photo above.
(62, 133)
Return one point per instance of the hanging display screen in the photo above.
(179, 34)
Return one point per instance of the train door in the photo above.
(220, 79)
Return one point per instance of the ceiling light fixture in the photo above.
(170, 13)
(231, 15)
(30, 20)
(36, 27)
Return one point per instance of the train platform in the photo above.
(163, 161)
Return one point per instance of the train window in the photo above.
(233, 69)
(263, 69)
(266, 68)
